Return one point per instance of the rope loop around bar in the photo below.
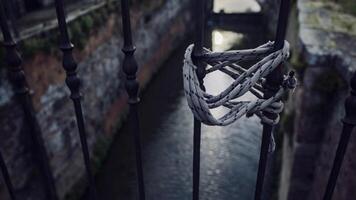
(246, 79)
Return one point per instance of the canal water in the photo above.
(229, 155)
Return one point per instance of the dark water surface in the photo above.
(229, 155)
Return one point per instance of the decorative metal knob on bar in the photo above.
(132, 87)
(130, 68)
(18, 81)
(73, 83)
(349, 123)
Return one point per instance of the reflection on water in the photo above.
(229, 155)
(224, 40)
(218, 81)
(236, 6)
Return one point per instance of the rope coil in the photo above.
(245, 80)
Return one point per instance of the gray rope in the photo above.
(245, 79)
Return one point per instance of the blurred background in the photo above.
(322, 34)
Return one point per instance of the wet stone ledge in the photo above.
(327, 34)
(326, 58)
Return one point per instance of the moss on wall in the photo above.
(31, 46)
(348, 5)
(79, 30)
(337, 16)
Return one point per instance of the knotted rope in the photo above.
(245, 79)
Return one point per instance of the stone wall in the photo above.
(157, 31)
(323, 40)
(327, 37)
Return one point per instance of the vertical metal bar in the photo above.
(282, 24)
(2, 161)
(132, 86)
(273, 82)
(18, 81)
(349, 124)
(73, 83)
(266, 136)
(198, 50)
(196, 158)
(7, 179)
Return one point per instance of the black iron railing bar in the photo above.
(130, 68)
(73, 83)
(349, 123)
(19, 83)
(273, 82)
(199, 14)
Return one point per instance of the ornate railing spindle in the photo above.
(18, 81)
(273, 83)
(132, 87)
(73, 83)
(349, 124)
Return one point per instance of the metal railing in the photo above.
(73, 83)
(132, 86)
(273, 82)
